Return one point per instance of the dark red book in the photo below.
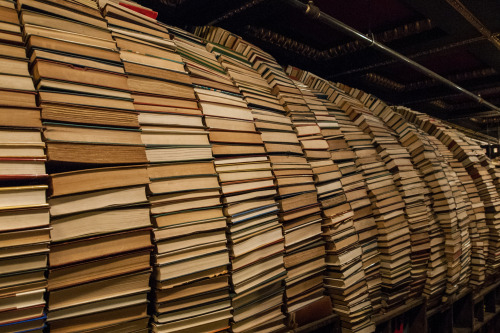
(141, 10)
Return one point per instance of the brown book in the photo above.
(8, 15)
(301, 200)
(99, 290)
(101, 135)
(145, 101)
(105, 198)
(20, 117)
(85, 75)
(70, 10)
(101, 268)
(151, 86)
(85, 100)
(235, 137)
(162, 74)
(16, 83)
(187, 216)
(97, 247)
(100, 319)
(180, 169)
(13, 51)
(67, 46)
(219, 149)
(95, 153)
(233, 124)
(34, 18)
(89, 115)
(141, 46)
(169, 61)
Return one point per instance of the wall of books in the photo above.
(156, 180)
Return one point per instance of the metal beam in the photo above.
(315, 13)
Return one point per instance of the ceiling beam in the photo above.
(475, 22)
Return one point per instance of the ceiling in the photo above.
(458, 39)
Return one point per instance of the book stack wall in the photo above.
(461, 239)
(478, 169)
(482, 180)
(421, 255)
(349, 137)
(255, 235)
(297, 197)
(461, 206)
(470, 240)
(396, 240)
(292, 99)
(462, 202)
(99, 264)
(462, 186)
(343, 198)
(388, 211)
(24, 215)
(191, 290)
(453, 245)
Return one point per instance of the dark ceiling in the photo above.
(458, 39)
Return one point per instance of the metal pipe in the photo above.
(315, 13)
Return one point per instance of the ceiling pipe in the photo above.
(315, 13)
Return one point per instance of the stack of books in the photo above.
(162, 91)
(378, 180)
(191, 257)
(416, 195)
(86, 104)
(458, 248)
(461, 204)
(343, 210)
(297, 198)
(345, 275)
(100, 248)
(191, 290)
(425, 159)
(467, 151)
(411, 188)
(349, 137)
(89, 122)
(24, 215)
(387, 206)
(255, 234)
(470, 272)
(458, 146)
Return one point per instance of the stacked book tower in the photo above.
(255, 235)
(393, 239)
(299, 210)
(191, 290)
(342, 197)
(394, 221)
(463, 205)
(462, 150)
(477, 165)
(420, 259)
(347, 139)
(470, 240)
(411, 189)
(451, 208)
(100, 238)
(397, 239)
(378, 179)
(24, 216)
